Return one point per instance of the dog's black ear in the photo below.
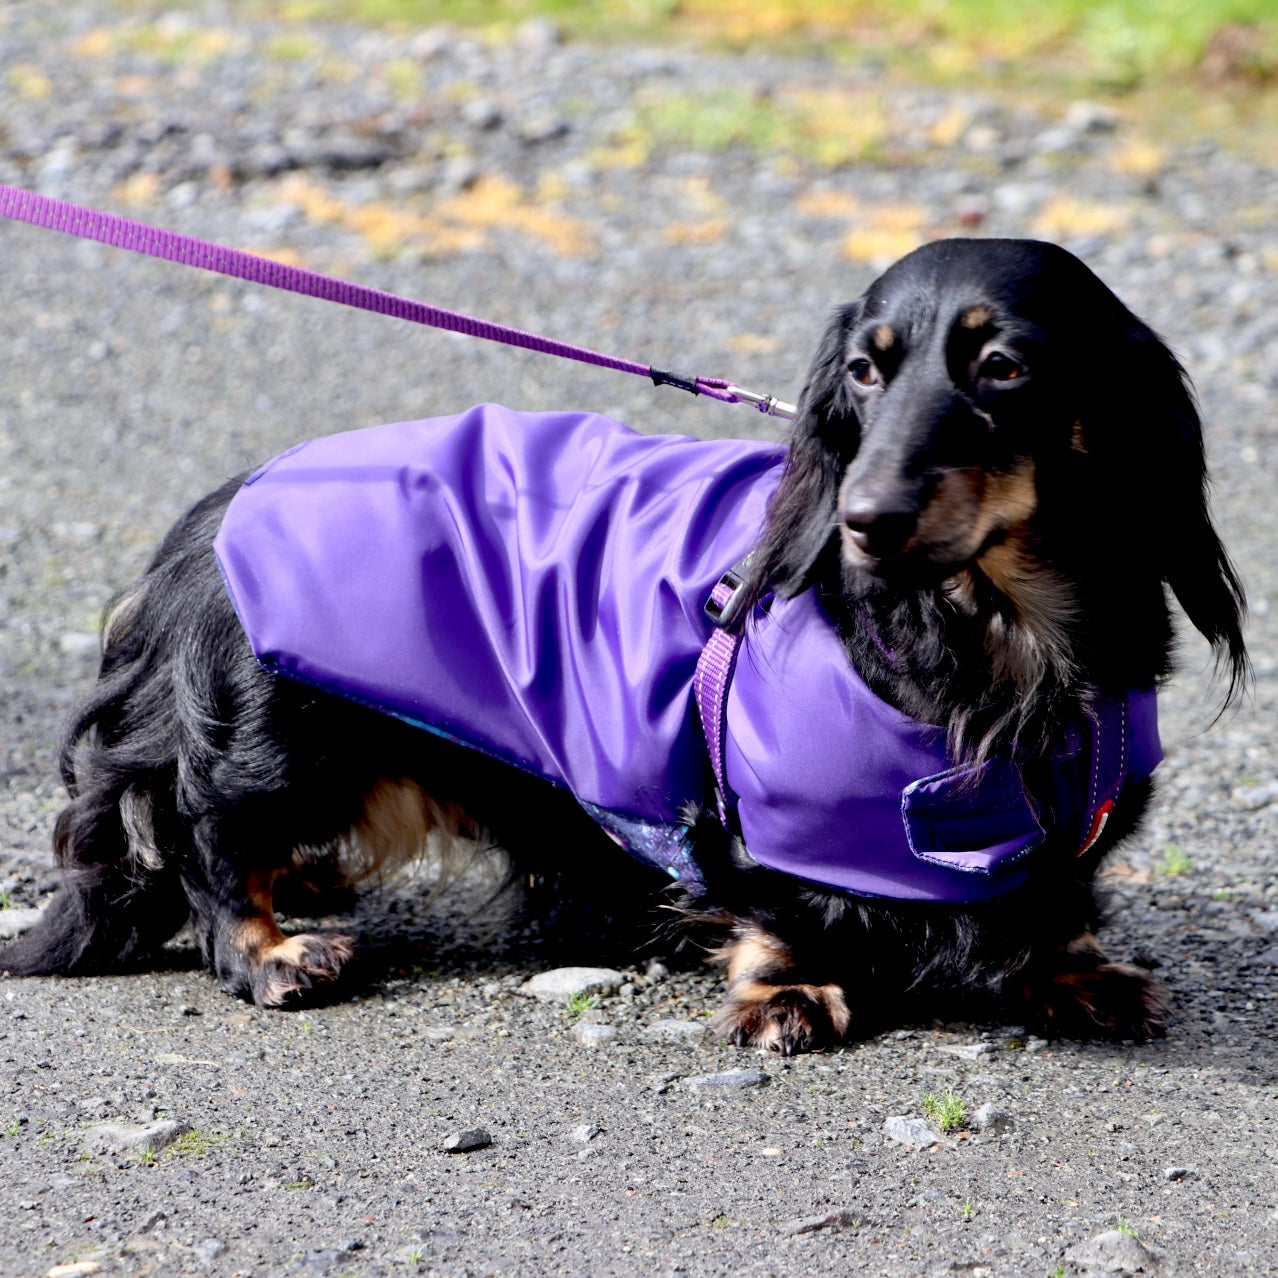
(1152, 455)
(802, 517)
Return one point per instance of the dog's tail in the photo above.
(120, 899)
(116, 904)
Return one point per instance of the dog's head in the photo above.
(989, 416)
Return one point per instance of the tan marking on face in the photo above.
(976, 316)
(967, 506)
(1077, 439)
(884, 337)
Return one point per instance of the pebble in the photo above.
(671, 1031)
(1179, 1173)
(18, 919)
(593, 1035)
(79, 1267)
(127, 1137)
(971, 1051)
(209, 1249)
(586, 1132)
(830, 1220)
(916, 1133)
(1254, 797)
(991, 1119)
(464, 1141)
(732, 1079)
(1114, 1252)
(562, 983)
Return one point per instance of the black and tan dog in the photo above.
(995, 483)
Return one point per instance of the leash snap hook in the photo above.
(769, 405)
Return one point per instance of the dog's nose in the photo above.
(878, 532)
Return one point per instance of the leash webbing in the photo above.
(172, 246)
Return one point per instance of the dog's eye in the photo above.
(998, 367)
(863, 372)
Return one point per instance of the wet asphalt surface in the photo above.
(536, 183)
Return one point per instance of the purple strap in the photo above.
(710, 686)
(123, 232)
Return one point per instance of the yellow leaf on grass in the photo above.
(704, 232)
(1066, 215)
(828, 204)
(30, 81)
(95, 43)
(1138, 157)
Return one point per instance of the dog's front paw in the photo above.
(784, 1018)
(770, 1004)
(279, 971)
(1088, 996)
(283, 974)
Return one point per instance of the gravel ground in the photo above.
(149, 1124)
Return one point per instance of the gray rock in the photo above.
(991, 1119)
(586, 1132)
(917, 1133)
(831, 1220)
(115, 1138)
(1179, 1173)
(671, 1031)
(971, 1051)
(16, 920)
(732, 1079)
(562, 983)
(593, 1035)
(209, 1249)
(1114, 1252)
(463, 1142)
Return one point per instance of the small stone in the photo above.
(463, 1142)
(75, 1270)
(562, 983)
(672, 1031)
(1258, 796)
(593, 1035)
(209, 1249)
(124, 1137)
(481, 113)
(77, 643)
(16, 920)
(1091, 117)
(733, 1079)
(586, 1132)
(1179, 1173)
(831, 1220)
(971, 1051)
(916, 1133)
(655, 971)
(991, 1119)
(1114, 1252)
(538, 35)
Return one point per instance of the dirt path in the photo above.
(579, 192)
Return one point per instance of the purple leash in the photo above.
(154, 241)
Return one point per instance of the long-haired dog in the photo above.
(994, 487)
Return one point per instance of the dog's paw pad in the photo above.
(788, 1019)
(284, 973)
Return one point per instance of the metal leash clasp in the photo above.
(767, 404)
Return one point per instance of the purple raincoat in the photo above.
(533, 586)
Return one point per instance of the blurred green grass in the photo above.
(1180, 68)
(1113, 46)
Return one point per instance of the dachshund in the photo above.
(951, 591)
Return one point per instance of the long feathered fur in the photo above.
(962, 427)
